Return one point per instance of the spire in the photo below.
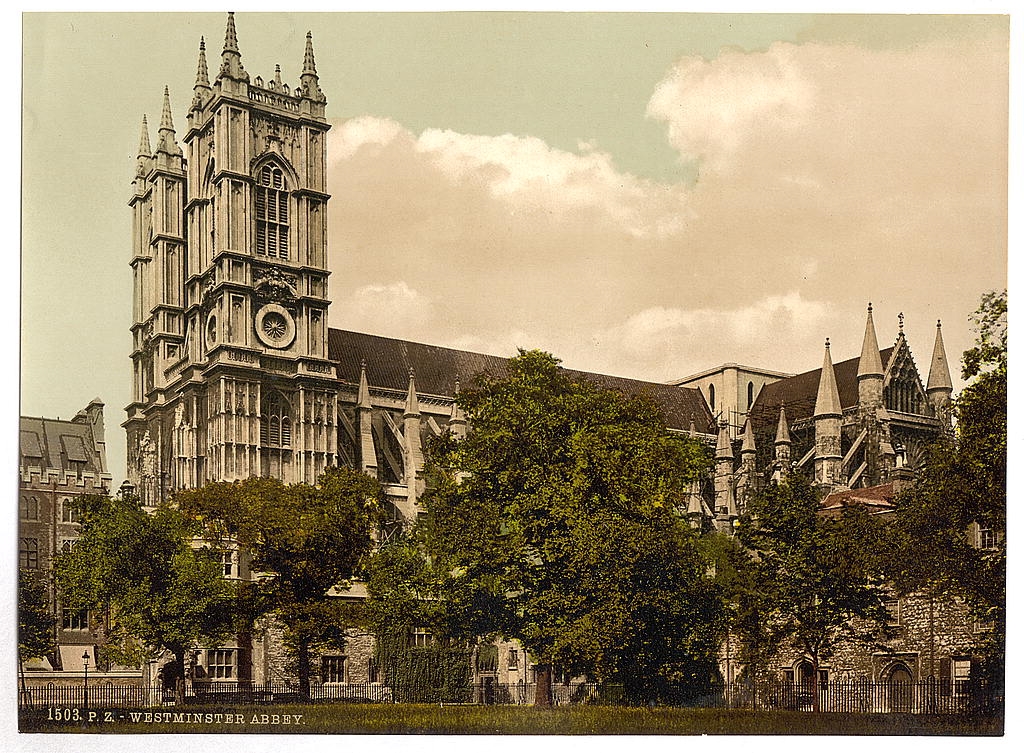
(363, 401)
(144, 148)
(827, 403)
(230, 35)
(870, 359)
(748, 440)
(782, 435)
(412, 402)
(145, 151)
(364, 413)
(457, 421)
(783, 447)
(202, 72)
(723, 450)
(165, 135)
(231, 57)
(309, 85)
(308, 63)
(938, 374)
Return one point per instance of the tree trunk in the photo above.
(543, 695)
(179, 677)
(302, 651)
(815, 700)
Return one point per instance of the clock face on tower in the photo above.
(275, 326)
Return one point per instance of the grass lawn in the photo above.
(484, 720)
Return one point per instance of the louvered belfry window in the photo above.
(272, 213)
(276, 423)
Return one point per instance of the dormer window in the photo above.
(271, 212)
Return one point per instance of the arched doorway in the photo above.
(901, 688)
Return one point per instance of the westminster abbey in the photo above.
(236, 373)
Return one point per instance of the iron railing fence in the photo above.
(857, 696)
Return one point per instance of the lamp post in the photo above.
(85, 659)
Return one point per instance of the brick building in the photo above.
(59, 461)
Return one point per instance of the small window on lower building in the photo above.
(892, 612)
(74, 619)
(421, 637)
(372, 670)
(513, 659)
(986, 538)
(68, 512)
(333, 669)
(961, 675)
(28, 554)
(28, 508)
(227, 561)
(220, 664)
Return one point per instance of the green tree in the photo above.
(814, 574)
(36, 623)
(557, 522)
(304, 540)
(747, 606)
(162, 593)
(960, 493)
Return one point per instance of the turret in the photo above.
(870, 374)
(309, 81)
(783, 447)
(457, 421)
(202, 91)
(168, 153)
(748, 450)
(940, 385)
(725, 502)
(364, 416)
(413, 442)
(231, 58)
(828, 417)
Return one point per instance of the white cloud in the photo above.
(526, 173)
(351, 135)
(836, 173)
(392, 309)
(710, 106)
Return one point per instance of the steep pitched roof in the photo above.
(800, 392)
(388, 361)
(52, 443)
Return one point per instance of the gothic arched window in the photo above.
(711, 395)
(276, 422)
(750, 394)
(271, 212)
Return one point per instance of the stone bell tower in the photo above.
(232, 377)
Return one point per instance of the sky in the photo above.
(647, 195)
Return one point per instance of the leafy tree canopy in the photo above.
(35, 620)
(163, 593)
(961, 490)
(813, 573)
(558, 521)
(303, 541)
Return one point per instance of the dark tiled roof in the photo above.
(51, 443)
(388, 361)
(799, 393)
